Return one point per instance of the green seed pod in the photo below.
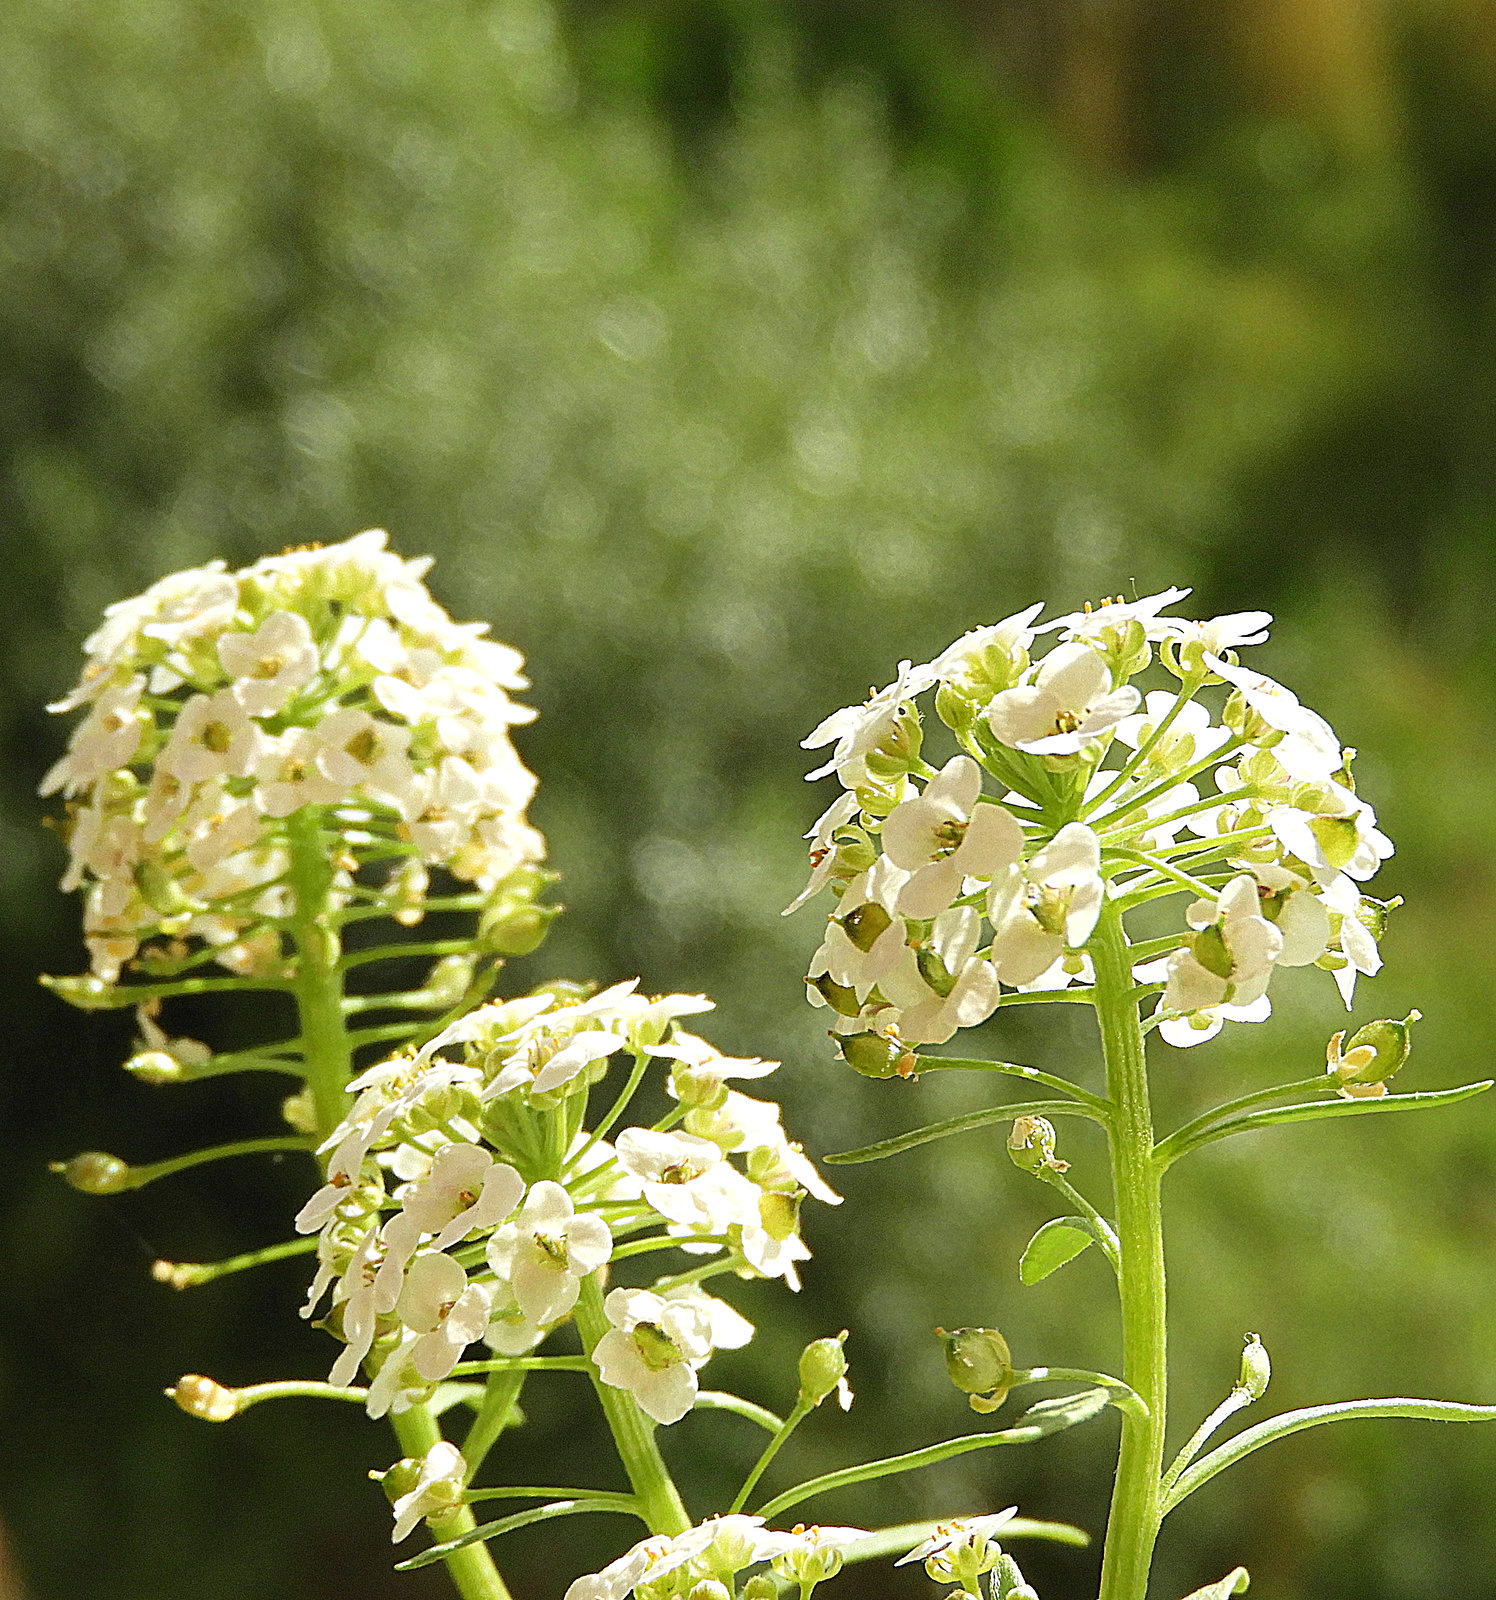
(842, 1000)
(1256, 1369)
(1031, 1142)
(865, 924)
(156, 1066)
(95, 1172)
(823, 1365)
(1389, 1043)
(1208, 947)
(202, 1397)
(932, 969)
(979, 1364)
(399, 1479)
(871, 1054)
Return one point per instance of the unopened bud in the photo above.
(1031, 1142)
(300, 1110)
(709, 1589)
(180, 1274)
(979, 1363)
(87, 994)
(761, 1587)
(1246, 723)
(1256, 1369)
(875, 1056)
(95, 1172)
(823, 1365)
(779, 1212)
(202, 1397)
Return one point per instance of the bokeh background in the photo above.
(724, 353)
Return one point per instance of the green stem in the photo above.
(802, 1409)
(328, 1055)
(499, 1400)
(189, 1274)
(633, 1432)
(140, 1176)
(1132, 1525)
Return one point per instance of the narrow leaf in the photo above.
(962, 1124)
(882, 1543)
(1315, 1110)
(1233, 1583)
(1288, 1422)
(520, 1519)
(1049, 1416)
(1058, 1241)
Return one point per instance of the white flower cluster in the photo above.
(221, 703)
(466, 1201)
(948, 894)
(714, 1553)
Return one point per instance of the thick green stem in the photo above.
(633, 1432)
(1132, 1526)
(328, 1055)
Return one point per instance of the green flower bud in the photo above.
(86, 993)
(1031, 1142)
(761, 1587)
(399, 1479)
(202, 1397)
(823, 1365)
(94, 1172)
(1247, 723)
(300, 1110)
(1337, 837)
(1256, 1369)
(979, 1363)
(709, 1589)
(874, 1056)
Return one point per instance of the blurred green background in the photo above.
(724, 353)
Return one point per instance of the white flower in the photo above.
(943, 836)
(1070, 702)
(823, 849)
(271, 664)
(726, 1329)
(547, 1250)
(1011, 635)
(617, 1579)
(1197, 1027)
(813, 1555)
(1112, 617)
(653, 1350)
(1309, 750)
(1233, 631)
(960, 1532)
(1041, 906)
(967, 995)
(438, 1489)
(1296, 911)
(1357, 943)
(687, 1180)
(356, 749)
(105, 741)
(858, 730)
(213, 737)
(1230, 959)
(1346, 840)
(438, 1303)
(865, 940)
(1188, 739)
(287, 775)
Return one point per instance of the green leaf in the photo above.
(1316, 1110)
(1287, 1422)
(1058, 1241)
(455, 1394)
(963, 1124)
(520, 1519)
(1049, 1416)
(1236, 1582)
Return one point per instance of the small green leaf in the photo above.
(1063, 1411)
(1233, 1583)
(1058, 1241)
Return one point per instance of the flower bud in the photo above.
(875, 1056)
(1247, 723)
(1256, 1369)
(823, 1367)
(979, 1364)
(95, 1172)
(1031, 1143)
(87, 994)
(449, 980)
(709, 1589)
(202, 1397)
(300, 1110)
(761, 1587)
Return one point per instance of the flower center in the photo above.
(217, 737)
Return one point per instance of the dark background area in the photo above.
(724, 354)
